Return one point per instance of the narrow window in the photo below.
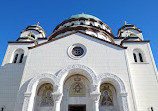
(72, 24)
(81, 23)
(15, 59)
(21, 58)
(140, 57)
(152, 109)
(135, 58)
(3, 109)
(90, 24)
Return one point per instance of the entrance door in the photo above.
(77, 108)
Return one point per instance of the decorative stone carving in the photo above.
(57, 96)
(89, 73)
(95, 96)
(42, 76)
(58, 81)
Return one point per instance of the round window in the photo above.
(76, 51)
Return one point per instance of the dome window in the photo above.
(72, 24)
(31, 35)
(91, 24)
(81, 23)
(99, 26)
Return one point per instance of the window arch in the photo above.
(138, 55)
(18, 56)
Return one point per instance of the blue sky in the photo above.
(16, 15)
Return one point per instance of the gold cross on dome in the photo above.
(125, 22)
(38, 23)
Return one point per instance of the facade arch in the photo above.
(120, 88)
(77, 69)
(30, 93)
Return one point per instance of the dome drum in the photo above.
(107, 35)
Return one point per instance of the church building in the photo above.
(81, 66)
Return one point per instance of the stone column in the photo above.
(124, 102)
(57, 100)
(27, 96)
(95, 100)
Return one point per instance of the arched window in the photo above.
(91, 24)
(72, 24)
(21, 58)
(15, 58)
(152, 109)
(3, 108)
(81, 23)
(99, 26)
(138, 55)
(18, 56)
(135, 58)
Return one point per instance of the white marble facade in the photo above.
(81, 66)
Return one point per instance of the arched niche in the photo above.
(32, 89)
(108, 98)
(76, 91)
(118, 84)
(44, 98)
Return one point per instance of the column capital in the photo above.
(57, 96)
(124, 94)
(27, 94)
(95, 96)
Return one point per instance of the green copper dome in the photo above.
(83, 16)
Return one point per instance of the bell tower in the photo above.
(130, 31)
(32, 33)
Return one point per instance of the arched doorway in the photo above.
(76, 94)
(108, 98)
(44, 98)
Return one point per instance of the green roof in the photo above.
(83, 16)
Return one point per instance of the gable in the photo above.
(81, 35)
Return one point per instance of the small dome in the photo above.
(83, 16)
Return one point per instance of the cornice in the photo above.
(74, 33)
